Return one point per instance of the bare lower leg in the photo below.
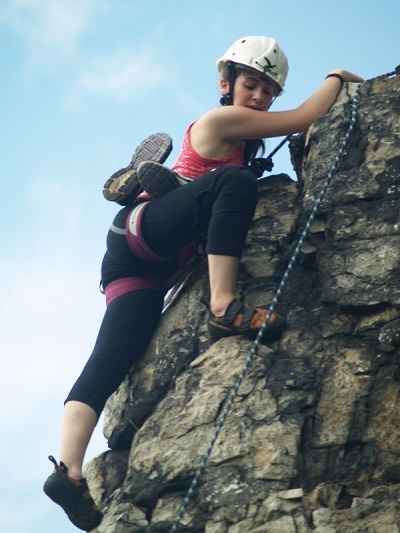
(78, 423)
(223, 277)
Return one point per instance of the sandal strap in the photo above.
(248, 313)
(240, 319)
(232, 311)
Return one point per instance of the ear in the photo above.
(224, 86)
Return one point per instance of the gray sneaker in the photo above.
(123, 185)
(158, 180)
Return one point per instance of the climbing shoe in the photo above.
(158, 180)
(240, 319)
(73, 496)
(122, 185)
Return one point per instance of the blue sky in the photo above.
(82, 83)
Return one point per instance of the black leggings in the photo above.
(220, 204)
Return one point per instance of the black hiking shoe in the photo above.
(158, 180)
(240, 319)
(120, 186)
(73, 496)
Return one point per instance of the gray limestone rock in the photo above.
(311, 441)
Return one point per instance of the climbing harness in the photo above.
(255, 346)
(178, 281)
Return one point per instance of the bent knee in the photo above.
(237, 176)
(241, 181)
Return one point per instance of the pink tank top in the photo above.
(192, 165)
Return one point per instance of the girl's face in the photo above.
(252, 91)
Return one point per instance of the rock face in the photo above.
(311, 442)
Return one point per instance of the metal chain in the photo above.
(262, 164)
(394, 72)
(255, 346)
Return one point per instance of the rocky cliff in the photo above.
(311, 442)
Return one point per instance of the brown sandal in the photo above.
(240, 319)
(73, 497)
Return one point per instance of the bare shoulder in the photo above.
(209, 123)
(208, 134)
(211, 117)
(222, 114)
(231, 124)
(221, 119)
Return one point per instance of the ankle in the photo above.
(218, 307)
(75, 475)
(73, 472)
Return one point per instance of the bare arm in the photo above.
(230, 124)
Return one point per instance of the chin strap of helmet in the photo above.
(227, 99)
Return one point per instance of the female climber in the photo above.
(153, 236)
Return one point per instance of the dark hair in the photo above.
(253, 148)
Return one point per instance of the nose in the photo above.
(261, 99)
(257, 95)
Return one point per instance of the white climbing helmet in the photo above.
(259, 53)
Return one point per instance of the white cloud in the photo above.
(124, 76)
(49, 22)
(59, 35)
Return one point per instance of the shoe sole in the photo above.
(157, 180)
(122, 183)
